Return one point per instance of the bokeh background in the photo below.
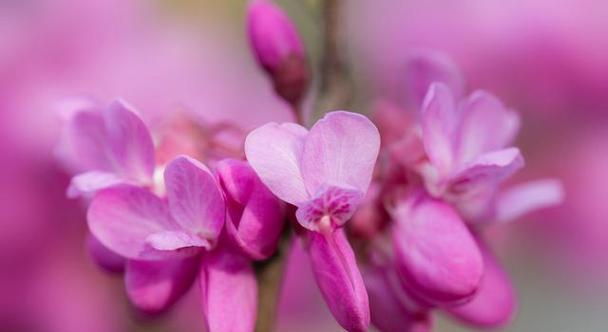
(546, 58)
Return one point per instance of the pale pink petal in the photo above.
(90, 182)
(153, 287)
(439, 123)
(129, 143)
(229, 292)
(195, 199)
(331, 208)
(274, 151)
(255, 216)
(83, 145)
(338, 277)
(122, 218)
(527, 197)
(436, 254)
(104, 257)
(486, 125)
(174, 240)
(340, 150)
(424, 67)
(494, 303)
(485, 171)
(389, 312)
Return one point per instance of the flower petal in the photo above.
(494, 303)
(274, 151)
(228, 292)
(388, 311)
(122, 218)
(195, 199)
(486, 171)
(129, 143)
(424, 67)
(174, 240)
(104, 257)
(153, 287)
(486, 125)
(83, 145)
(338, 277)
(90, 182)
(439, 123)
(340, 150)
(255, 216)
(436, 253)
(527, 197)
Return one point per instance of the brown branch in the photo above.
(270, 276)
(335, 86)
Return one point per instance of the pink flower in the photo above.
(160, 238)
(467, 144)
(325, 173)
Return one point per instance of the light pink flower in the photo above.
(467, 144)
(137, 224)
(324, 172)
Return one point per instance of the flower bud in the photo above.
(278, 49)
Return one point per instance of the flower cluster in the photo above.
(187, 209)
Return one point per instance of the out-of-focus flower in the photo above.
(325, 173)
(437, 184)
(435, 252)
(279, 50)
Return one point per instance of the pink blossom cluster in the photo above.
(389, 211)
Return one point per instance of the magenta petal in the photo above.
(439, 124)
(90, 182)
(255, 216)
(340, 150)
(338, 277)
(129, 143)
(436, 254)
(195, 199)
(274, 151)
(153, 287)
(228, 292)
(391, 310)
(486, 125)
(122, 218)
(104, 257)
(331, 208)
(527, 197)
(494, 304)
(272, 34)
(486, 171)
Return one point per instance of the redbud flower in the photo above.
(108, 145)
(278, 49)
(325, 173)
(467, 146)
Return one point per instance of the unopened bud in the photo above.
(278, 49)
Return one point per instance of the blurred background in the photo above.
(547, 59)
